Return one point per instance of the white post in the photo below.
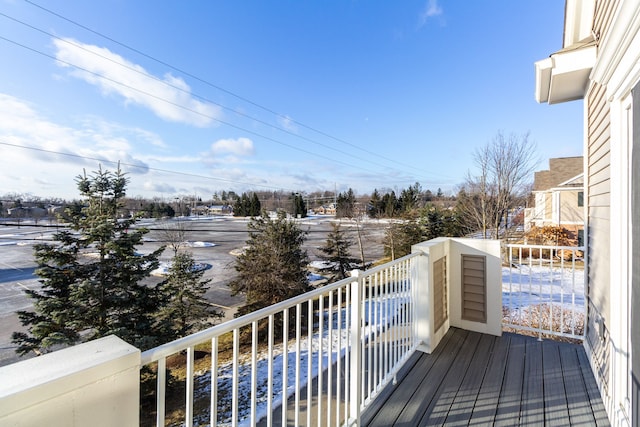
(422, 308)
(355, 380)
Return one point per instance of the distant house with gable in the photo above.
(202, 210)
(558, 195)
(329, 209)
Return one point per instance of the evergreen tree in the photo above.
(255, 207)
(240, 207)
(345, 207)
(336, 251)
(375, 205)
(246, 206)
(391, 205)
(91, 276)
(409, 198)
(273, 266)
(299, 206)
(185, 310)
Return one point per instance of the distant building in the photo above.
(56, 210)
(559, 197)
(329, 209)
(220, 210)
(212, 210)
(27, 212)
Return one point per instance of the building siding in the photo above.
(570, 212)
(635, 256)
(603, 15)
(598, 201)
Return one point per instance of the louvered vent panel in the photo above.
(474, 289)
(440, 292)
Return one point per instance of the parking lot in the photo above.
(211, 241)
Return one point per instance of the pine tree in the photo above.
(337, 255)
(91, 276)
(346, 204)
(390, 202)
(299, 206)
(246, 206)
(186, 310)
(273, 266)
(255, 207)
(375, 205)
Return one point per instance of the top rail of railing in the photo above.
(553, 247)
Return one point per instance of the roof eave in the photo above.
(564, 76)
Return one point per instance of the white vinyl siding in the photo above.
(598, 189)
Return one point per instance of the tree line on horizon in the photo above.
(84, 297)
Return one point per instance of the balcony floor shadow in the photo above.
(477, 379)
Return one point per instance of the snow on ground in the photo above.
(384, 309)
(319, 265)
(523, 286)
(164, 267)
(200, 244)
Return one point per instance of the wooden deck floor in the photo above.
(478, 380)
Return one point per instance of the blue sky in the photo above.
(202, 96)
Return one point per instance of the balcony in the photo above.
(417, 341)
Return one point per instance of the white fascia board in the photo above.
(564, 76)
(570, 180)
(570, 74)
(578, 21)
(543, 79)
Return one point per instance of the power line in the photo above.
(131, 165)
(185, 91)
(332, 160)
(206, 82)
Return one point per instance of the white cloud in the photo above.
(159, 187)
(54, 154)
(238, 147)
(168, 97)
(103, 127)
(174, 159)
(431, 9)
(287, 123)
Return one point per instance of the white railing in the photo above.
(319, 358)
(544, 290)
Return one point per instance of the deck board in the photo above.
(575, 389)
(476, 379)
(451, 384)
(556, 411)
(595, 400)
(421, 387)
(464, 401)
(532, 412)
(484, 411)
(508, 411)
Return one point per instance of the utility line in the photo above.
(185, 91)
(259, 135)
(206, 82)
(191, 175)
